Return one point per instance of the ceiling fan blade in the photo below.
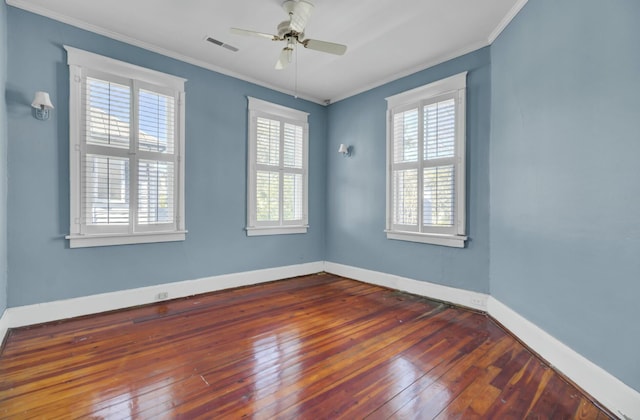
(300, 12)
(284, 59)
(324, 46)
(239, 31)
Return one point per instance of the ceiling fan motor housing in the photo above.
(299, 13)
(283, 28)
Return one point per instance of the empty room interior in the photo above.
(320, 209)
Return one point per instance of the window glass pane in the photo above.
(268, 196)
(292, 197)
(292, 146)
(156, 129)
(439, 130)
(405, 136)
(107, 113)
(106, 190)
(438, 199)
(268, 141)
(405, 197)
(156, 200)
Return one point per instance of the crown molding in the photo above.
(506, 20)
(408, 72)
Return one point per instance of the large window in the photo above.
(426, 163)
(126, 152)
(277, 169)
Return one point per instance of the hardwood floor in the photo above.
(312, 347)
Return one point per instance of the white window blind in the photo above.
(277, 173)
(426, 163)
(127, 143)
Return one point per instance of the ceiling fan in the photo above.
(292, 32)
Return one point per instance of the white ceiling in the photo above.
(386, 39)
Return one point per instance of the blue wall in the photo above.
(42, 267)
(560, 89)
(356, 186)
(3, 158)
(565, 177)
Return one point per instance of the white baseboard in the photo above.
(461, 297)
(4, 325)
(609, 391)
(62, 309)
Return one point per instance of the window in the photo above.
(426, 163)
(277, 169)
(126, 152)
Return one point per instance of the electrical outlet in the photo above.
(478, 301)
(162, 295)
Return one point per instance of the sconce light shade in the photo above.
(42, 100)
(42, 104)
(345, 150)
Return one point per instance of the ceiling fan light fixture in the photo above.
(285, 58)
(292, 31)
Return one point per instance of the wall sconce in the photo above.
(42, 104)
(345, 150)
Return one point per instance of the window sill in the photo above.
(276, 230)
(84, 241)
(456, 241)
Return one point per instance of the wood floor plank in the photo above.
(488, 351)
(435, 393)
(318, 346)
(218, 377)
(282, 387)
(239, 369)
(133, 361)
(460, 406)
(518, 393)
(374, 373)
(568, 403)
(373, 386)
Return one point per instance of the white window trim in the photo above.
(78, 60)
(276, 230)
(258, 107)
(451, 85)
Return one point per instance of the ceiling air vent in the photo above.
(221, 44)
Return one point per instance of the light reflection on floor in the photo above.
(273, 356)
(403, 374)
(120, 406)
